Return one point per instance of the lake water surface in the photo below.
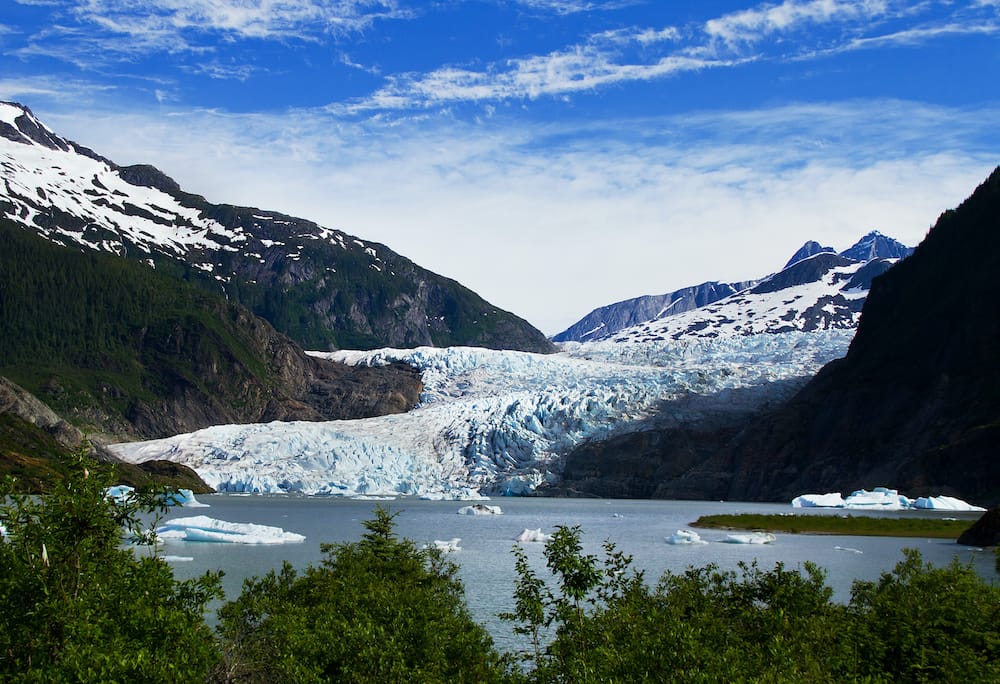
(638, 528)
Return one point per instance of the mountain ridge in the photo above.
(713, 308)
(323, 287)
(914, 404)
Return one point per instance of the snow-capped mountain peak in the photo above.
(807, 250)
(875, 245)
(347, 291)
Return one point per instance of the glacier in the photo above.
(495, 423)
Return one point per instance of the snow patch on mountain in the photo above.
(497, 422)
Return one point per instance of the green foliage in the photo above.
(377, 610)
(917, 623)
(927, 624)
(77, 606)
(93, 334)
(855, 525)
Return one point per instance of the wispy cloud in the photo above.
(747, 27)
(53, 89)
(769, 31)
(761, 181)
(573, 6)
(95, 33)
(237, 18)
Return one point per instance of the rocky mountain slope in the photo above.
(915, 404)
(604, 321)
(324, 288)
(817, 289)
(124, 351)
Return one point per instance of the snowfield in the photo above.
(499, 422)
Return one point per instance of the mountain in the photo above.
(874, 245)
(817, 289)
(322, 287)
(916, 400)
(125, 351)
(603, 322)
(914, 404)
(807, 250)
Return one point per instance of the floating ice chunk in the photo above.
(119, 493)
(685, 538)
(831, 500)
(881, 498)
(204, 529)
(750, 538)
(480, 509)
(179, 497)
(185, 498)
(533, 536)
(449, 546)
(944, 503)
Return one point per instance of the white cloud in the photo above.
(749, 26)
(52, 89)
(550, 221)
(92, 34)
(238, 18)
(573, 6)
(607, 58)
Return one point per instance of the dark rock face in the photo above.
(218, 388)
(985, 531)
(914, 405)
(648, 464)
(16, 401)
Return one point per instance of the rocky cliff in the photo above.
(915, 404)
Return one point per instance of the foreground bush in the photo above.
(378, 610)
(915, 624)
(76, 606)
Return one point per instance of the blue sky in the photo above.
(553, 155)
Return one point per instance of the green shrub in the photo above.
(75, 605)
(377, 610)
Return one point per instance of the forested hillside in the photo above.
(120, 349)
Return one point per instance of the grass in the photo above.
(861, 526)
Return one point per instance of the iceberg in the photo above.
(449, 546)
(119, 493)
(185, 498)
(750, 538)
(179, 497)
(204, 529)
(685, 538)
(880, 498)
(480, 509)
(535, 535)
(831, 500)
(883, 499)
(944, 503)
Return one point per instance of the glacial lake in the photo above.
(639, 528)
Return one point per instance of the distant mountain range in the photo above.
(915, 403)
(818, 289)
(322, 287)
